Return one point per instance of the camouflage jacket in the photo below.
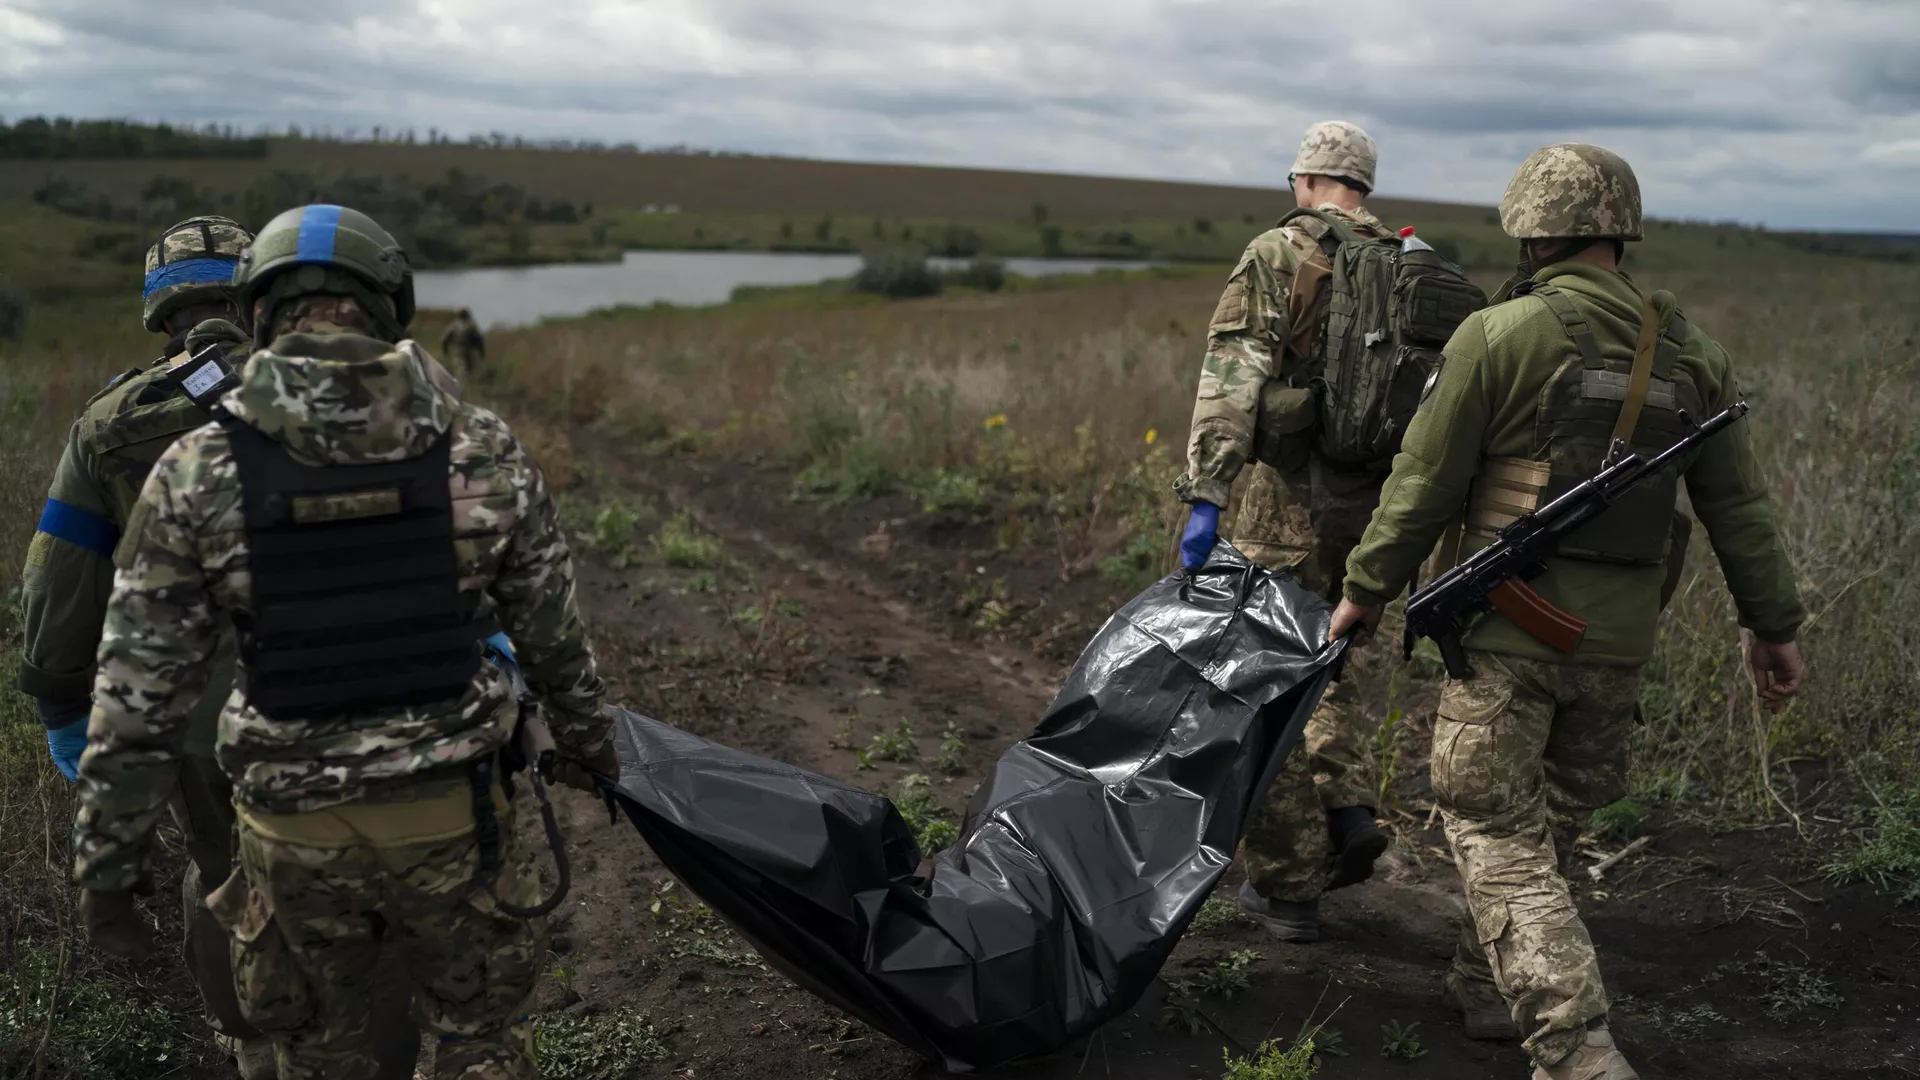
(328, 398)
(1266, 326)
(69, 572)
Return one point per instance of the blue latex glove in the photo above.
(500, 650)
(1203, 531)
(65, 745)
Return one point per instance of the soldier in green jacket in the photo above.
(69, 573)
(365, 530)
(1530, 396)
(1316, 830)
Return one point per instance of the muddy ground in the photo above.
(1727, 955)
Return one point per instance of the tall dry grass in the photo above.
(1044, 402)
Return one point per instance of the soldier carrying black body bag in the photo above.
(366, 530)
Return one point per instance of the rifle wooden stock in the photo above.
(1535, 614)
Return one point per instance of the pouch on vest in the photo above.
(356, 600)
(1388, 314)
(1283, 433)
(1580, 410)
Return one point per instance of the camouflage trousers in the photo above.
(202, 807)
(1287, 849)
(324, 900)
(1522, 752)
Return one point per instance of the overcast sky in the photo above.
(1786, 112)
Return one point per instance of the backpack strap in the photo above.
(1342, 231)
(1573, 323)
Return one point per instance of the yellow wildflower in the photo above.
(997, 420)
(1152, 435)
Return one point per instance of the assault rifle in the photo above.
(1496, 576)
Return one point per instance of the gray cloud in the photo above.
(1749, 109)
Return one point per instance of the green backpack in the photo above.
(1388, 314)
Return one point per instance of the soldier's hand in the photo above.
(1350, 617)
(1777, 671)
(114, 923)
(579, 773)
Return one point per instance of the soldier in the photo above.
(365, 529)
(69, 574)
(1307, 516)
(464, 344)
(1532, 395)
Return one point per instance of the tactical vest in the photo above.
(1573, 433)
(356, 600)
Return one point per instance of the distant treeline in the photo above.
(38, 138)
(425, 217)
(1894, 247)
(43, 138)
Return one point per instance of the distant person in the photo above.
(366, 530)
(69, 575)
(1317, 829)
(464, 345)
(1533, 394)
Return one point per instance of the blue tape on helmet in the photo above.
(208, 270)
(317, 225)
(81, 528)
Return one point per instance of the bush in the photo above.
(896, 274)
(983, 273)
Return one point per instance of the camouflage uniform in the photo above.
(1304, 514)
(1537, 734)
(69, 572)
(464, 346)
(359, 827)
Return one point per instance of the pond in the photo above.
(519, 295)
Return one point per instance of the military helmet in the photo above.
(327, 249)
(1572, 189)
(192, 263)
(1337, 148)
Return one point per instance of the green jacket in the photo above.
(1484, 404)
(69, 573)
(329, 399)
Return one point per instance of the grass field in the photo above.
(1051, 420)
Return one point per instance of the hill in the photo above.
(712, 184)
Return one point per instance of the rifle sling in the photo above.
(1641, 376)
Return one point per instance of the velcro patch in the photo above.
(345, 506)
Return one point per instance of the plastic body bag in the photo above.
(1084, 855)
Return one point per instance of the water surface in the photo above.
(519, 295)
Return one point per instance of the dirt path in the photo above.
(1728, 956)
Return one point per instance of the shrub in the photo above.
(896, 274)
(13, 313)
(983, 273)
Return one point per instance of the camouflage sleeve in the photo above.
(1728, 493)
(535, 592)
(1243, 346)
(155, 653)
(68, 576)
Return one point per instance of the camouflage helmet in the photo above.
(192, 263)
(1337, 148)
(1572, 189)
(329, 250)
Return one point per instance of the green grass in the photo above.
(1619, 821)
(82, 1026)
(1218, 913)
(920, 808)
(1886, 852)
(953, 753)
(1401, 1041)
(896, 745)
(1274, 1060)
(606, 1046)
(681, 544)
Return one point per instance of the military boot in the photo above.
(253, 1058)
(1358, 841)
(1596, 1058)
(1287, 920)
(1482, 1010)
